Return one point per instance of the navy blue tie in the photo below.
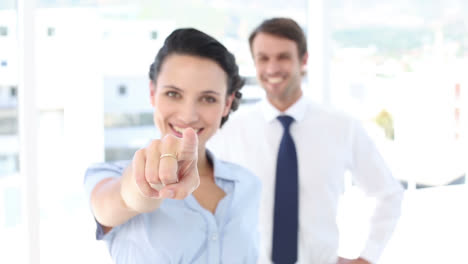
(285, 223)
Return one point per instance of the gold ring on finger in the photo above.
(174, 156)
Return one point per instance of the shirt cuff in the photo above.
(372, 252)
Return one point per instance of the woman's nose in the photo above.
(189, 113)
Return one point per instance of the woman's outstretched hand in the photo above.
(166, 168)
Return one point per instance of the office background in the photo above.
(74, 90)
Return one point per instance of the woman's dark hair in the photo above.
(189, 41)
(285, 28)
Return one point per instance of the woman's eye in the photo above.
(209, 99)
(173, 94)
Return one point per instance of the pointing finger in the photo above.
(189, 148)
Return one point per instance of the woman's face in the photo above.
(191, 92)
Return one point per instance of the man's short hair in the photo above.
(285, 28)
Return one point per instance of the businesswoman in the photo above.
(174, 202)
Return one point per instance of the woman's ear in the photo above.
(227, 106)
(152, 88)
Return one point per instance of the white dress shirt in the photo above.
(328, 144)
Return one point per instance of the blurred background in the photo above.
(399, 66)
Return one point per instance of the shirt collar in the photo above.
(296, 111)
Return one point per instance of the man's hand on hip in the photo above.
(352, 261)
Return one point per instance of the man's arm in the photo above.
(383, 222)
(374, 177)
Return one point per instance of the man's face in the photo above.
(279, 68)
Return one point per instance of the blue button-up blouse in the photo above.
(182, 231)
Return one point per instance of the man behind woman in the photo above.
(299, 208)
